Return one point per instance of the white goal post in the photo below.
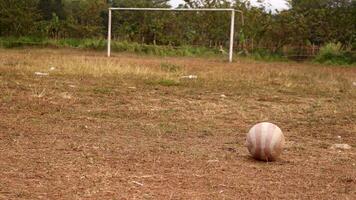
(232, 28)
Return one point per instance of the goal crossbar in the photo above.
(232, 27)
(177, 9)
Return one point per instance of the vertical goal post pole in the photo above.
(232, 33)
(232, 27)
(109, 33)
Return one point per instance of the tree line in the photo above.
(307, 22)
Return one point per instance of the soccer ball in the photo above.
(265, 141)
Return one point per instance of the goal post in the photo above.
(231, 10)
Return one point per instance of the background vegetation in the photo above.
(296, 33)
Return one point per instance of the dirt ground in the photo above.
(132, 127)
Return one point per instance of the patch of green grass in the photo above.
(100, 90)
(168, 82)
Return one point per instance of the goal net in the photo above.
(232, 22)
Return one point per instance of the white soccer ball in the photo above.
(265, 141)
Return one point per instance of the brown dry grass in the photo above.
(130, 128)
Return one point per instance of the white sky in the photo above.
(274, 4)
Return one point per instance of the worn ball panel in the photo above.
(265, 141)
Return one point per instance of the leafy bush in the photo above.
(265, 55)
(67, 42)
(134, 47)
(12, 42)
(100, 44)
(96, 44)
(332, 53)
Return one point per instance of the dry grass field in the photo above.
(131, 127)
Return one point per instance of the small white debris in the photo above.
(354, 84)
(65, 95)
(223, 96)
(341, 146)
(132, 88)
(41, 74)
(137, 183)
(52, 68)
(72, 86)
(339, 137)
(199, 176)
(147, 176)
(190, 77)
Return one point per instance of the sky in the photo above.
(274, 4)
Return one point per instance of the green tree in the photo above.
(18, 17)
(48, 7)
(85, 18)
(327, 20)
